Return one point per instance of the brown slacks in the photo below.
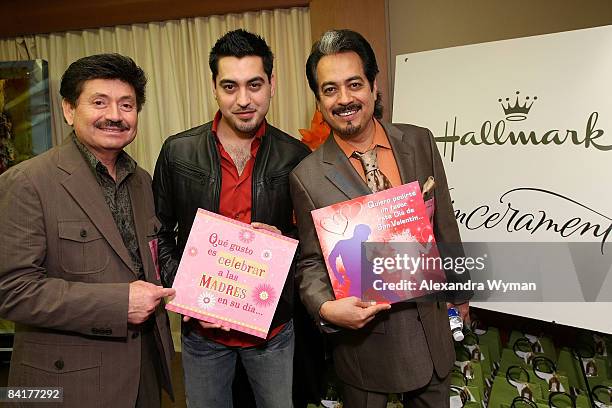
(149, 390)
(436, 394)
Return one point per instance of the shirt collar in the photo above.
(125, 164)
(380, 140)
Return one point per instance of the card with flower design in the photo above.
(232, 274)
(394, 223)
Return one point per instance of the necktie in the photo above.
(375, 179)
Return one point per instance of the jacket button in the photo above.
(59, 364)
(135, 335)
(83, 233)
(155, 229)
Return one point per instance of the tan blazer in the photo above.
(399, 349)
(64, 275)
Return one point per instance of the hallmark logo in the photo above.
(495, 133)
(517, 112)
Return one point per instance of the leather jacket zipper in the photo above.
(190, 170)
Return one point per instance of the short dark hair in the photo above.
(339, 41)
(241, 43)
(103, 66)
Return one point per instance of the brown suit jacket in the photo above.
(399, 349)
(64, 277)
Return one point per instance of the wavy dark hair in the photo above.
(336, 42)
(103, 66)
(241, 43)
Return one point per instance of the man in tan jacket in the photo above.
(379, 348)
(77, 230)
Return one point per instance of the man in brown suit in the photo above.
(77, 274)
(407, 347)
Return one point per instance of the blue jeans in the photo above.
(209, 369)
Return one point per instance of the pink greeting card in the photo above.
(400, 223)
(231, 273)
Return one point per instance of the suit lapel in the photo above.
(404, 156)
(340, 172)
(83, 187)
(139, 211)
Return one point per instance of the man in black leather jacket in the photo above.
(237, 166)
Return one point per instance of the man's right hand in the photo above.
(144, 298)
(351, 312)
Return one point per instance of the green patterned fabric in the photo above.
(472, 370)
(490, 337)
(540, 345)
(503, 392)
(478, 352)
(465, 396)
(570, 366)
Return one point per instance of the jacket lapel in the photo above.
(340, 172)
(139, 211)
(404, 156)
(83, 187)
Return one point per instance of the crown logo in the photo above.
(517, 112)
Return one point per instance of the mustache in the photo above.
(343, 109)
(119, 124)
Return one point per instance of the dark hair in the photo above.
(103, 66)
(241, 43)
(339, 41)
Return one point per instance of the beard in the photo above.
(246, 127)
(349, 128)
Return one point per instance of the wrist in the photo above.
(322, 310)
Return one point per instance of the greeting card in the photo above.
(232, 274)
(398, 224)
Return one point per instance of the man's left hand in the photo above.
(207, 325)
(261, 225)
(464, 311)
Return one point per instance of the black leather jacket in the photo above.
(188, 176)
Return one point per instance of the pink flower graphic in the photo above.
(264, 295)
(192, 251)
(207, 300)
(266, 254)
(247, 236)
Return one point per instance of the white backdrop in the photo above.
(519, 174)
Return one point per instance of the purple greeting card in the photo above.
(395, 215)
